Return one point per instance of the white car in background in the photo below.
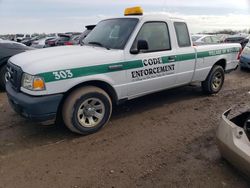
(20, 37)
(204, 39)
(41, 42)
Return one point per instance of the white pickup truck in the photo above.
(121, 59)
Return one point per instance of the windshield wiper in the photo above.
(99, 44)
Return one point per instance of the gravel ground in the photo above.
(162, 140)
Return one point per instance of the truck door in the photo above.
(152, 68)
(186, 55)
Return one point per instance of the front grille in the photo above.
(14, 75)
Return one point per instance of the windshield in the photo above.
(112, 33)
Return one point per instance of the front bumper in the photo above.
(234, 144)
(39, 109)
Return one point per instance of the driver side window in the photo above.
(156, 35)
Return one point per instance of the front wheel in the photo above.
(86, 110)
(214, 81)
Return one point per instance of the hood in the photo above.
(65, 57)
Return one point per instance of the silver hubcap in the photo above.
(217, 81)
(91, 112)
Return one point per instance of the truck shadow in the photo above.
(18, 134)
(157, 100)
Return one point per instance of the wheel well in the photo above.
(100, 84)
(221, 63)
(103, 85)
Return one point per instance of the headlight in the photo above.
(33, 83)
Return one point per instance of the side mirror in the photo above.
(142, 45)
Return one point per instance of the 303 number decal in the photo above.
(63, 74)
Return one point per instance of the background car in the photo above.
(241, 39)
(63, 39)
(245, 57)
(8, 49)
(205, 39)
(41, 42)
(68, 39)
(51, 42)
(222, 37)
(20, 37)
(29, 41)
(233, 138)
(74, 40)
(89, 28)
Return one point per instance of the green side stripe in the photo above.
(217, 52)
(126, 65)
(185, 57)
(92, 70)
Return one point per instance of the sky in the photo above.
(49, 16)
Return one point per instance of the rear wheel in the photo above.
(2, 77)
(214, 81)
(86, 110)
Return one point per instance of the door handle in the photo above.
(171, 58)
(116, 67)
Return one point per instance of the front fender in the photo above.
(63, 86)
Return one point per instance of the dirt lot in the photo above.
(162, 140)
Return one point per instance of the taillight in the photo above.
(239, 54)
(68, 43)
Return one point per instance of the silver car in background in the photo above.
(41, 42)
(201, 39)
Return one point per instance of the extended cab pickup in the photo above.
(121, 59)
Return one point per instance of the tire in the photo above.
(247, 125)
(81, 107)
(2, 77)
(214, 81)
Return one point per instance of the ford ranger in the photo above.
(121, 59)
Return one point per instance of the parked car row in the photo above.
(204, 39)
(70, 38)
(27, 42)
(44, 41)
(62, 40)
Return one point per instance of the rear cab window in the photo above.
(182, 34)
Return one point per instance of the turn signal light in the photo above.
(38, 84)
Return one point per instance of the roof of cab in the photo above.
(153, 17)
